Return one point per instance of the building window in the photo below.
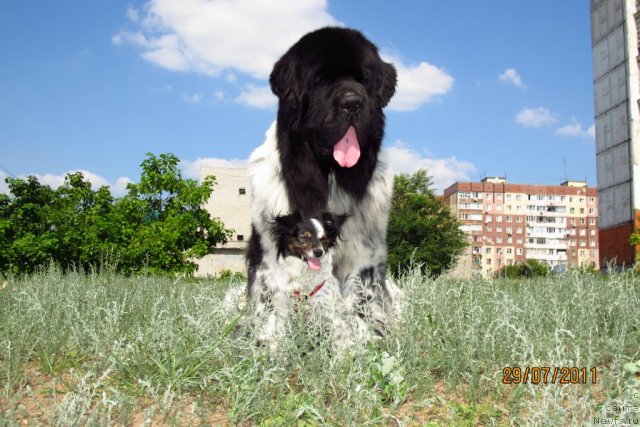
(242, 191)
(240, 237)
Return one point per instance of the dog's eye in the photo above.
(366, 76)
(304, 235)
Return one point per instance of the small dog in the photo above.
(303, 279)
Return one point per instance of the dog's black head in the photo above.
(332, 87)
(307, 238)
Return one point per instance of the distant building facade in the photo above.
(231, 202)
(510, 223)
(616, 76)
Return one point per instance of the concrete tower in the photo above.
(614, 39)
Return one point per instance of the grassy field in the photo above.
(103, 349)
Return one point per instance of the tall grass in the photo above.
(103, 349)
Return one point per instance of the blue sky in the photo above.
(485, 88)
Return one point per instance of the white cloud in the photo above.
(97, 181)
(417, 84)
(192, 169)
(511, 76)
(257, 96)
(212, 36)
(535, 117)
(221, 38)
(55, 181)
(194, 98)
(125, 37)
(219, 95)
(574, 129)
(132, 14)
(444, 171)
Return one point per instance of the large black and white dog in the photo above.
(323, 154)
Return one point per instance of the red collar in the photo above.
(315, 290)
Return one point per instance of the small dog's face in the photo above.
(307, 238)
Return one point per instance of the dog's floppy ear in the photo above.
(283, 80)
(387, 84)
(285, 225)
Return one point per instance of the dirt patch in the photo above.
(38, 400)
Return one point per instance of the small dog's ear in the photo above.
(387, 84)
(285, 224)
(334, 219)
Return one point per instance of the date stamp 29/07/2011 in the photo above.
(549, 375)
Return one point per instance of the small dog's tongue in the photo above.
(314, 263)
(347, 151)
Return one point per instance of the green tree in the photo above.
(421, 227)
(159, 226)
(27, 229)
(163, 221)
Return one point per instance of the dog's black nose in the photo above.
(351, 102)
(317, 252)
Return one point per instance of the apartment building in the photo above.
(615, 36)
(509, 223)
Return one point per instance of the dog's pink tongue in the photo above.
(347, 151)
(314, 263)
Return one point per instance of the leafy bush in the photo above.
(529, 268)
